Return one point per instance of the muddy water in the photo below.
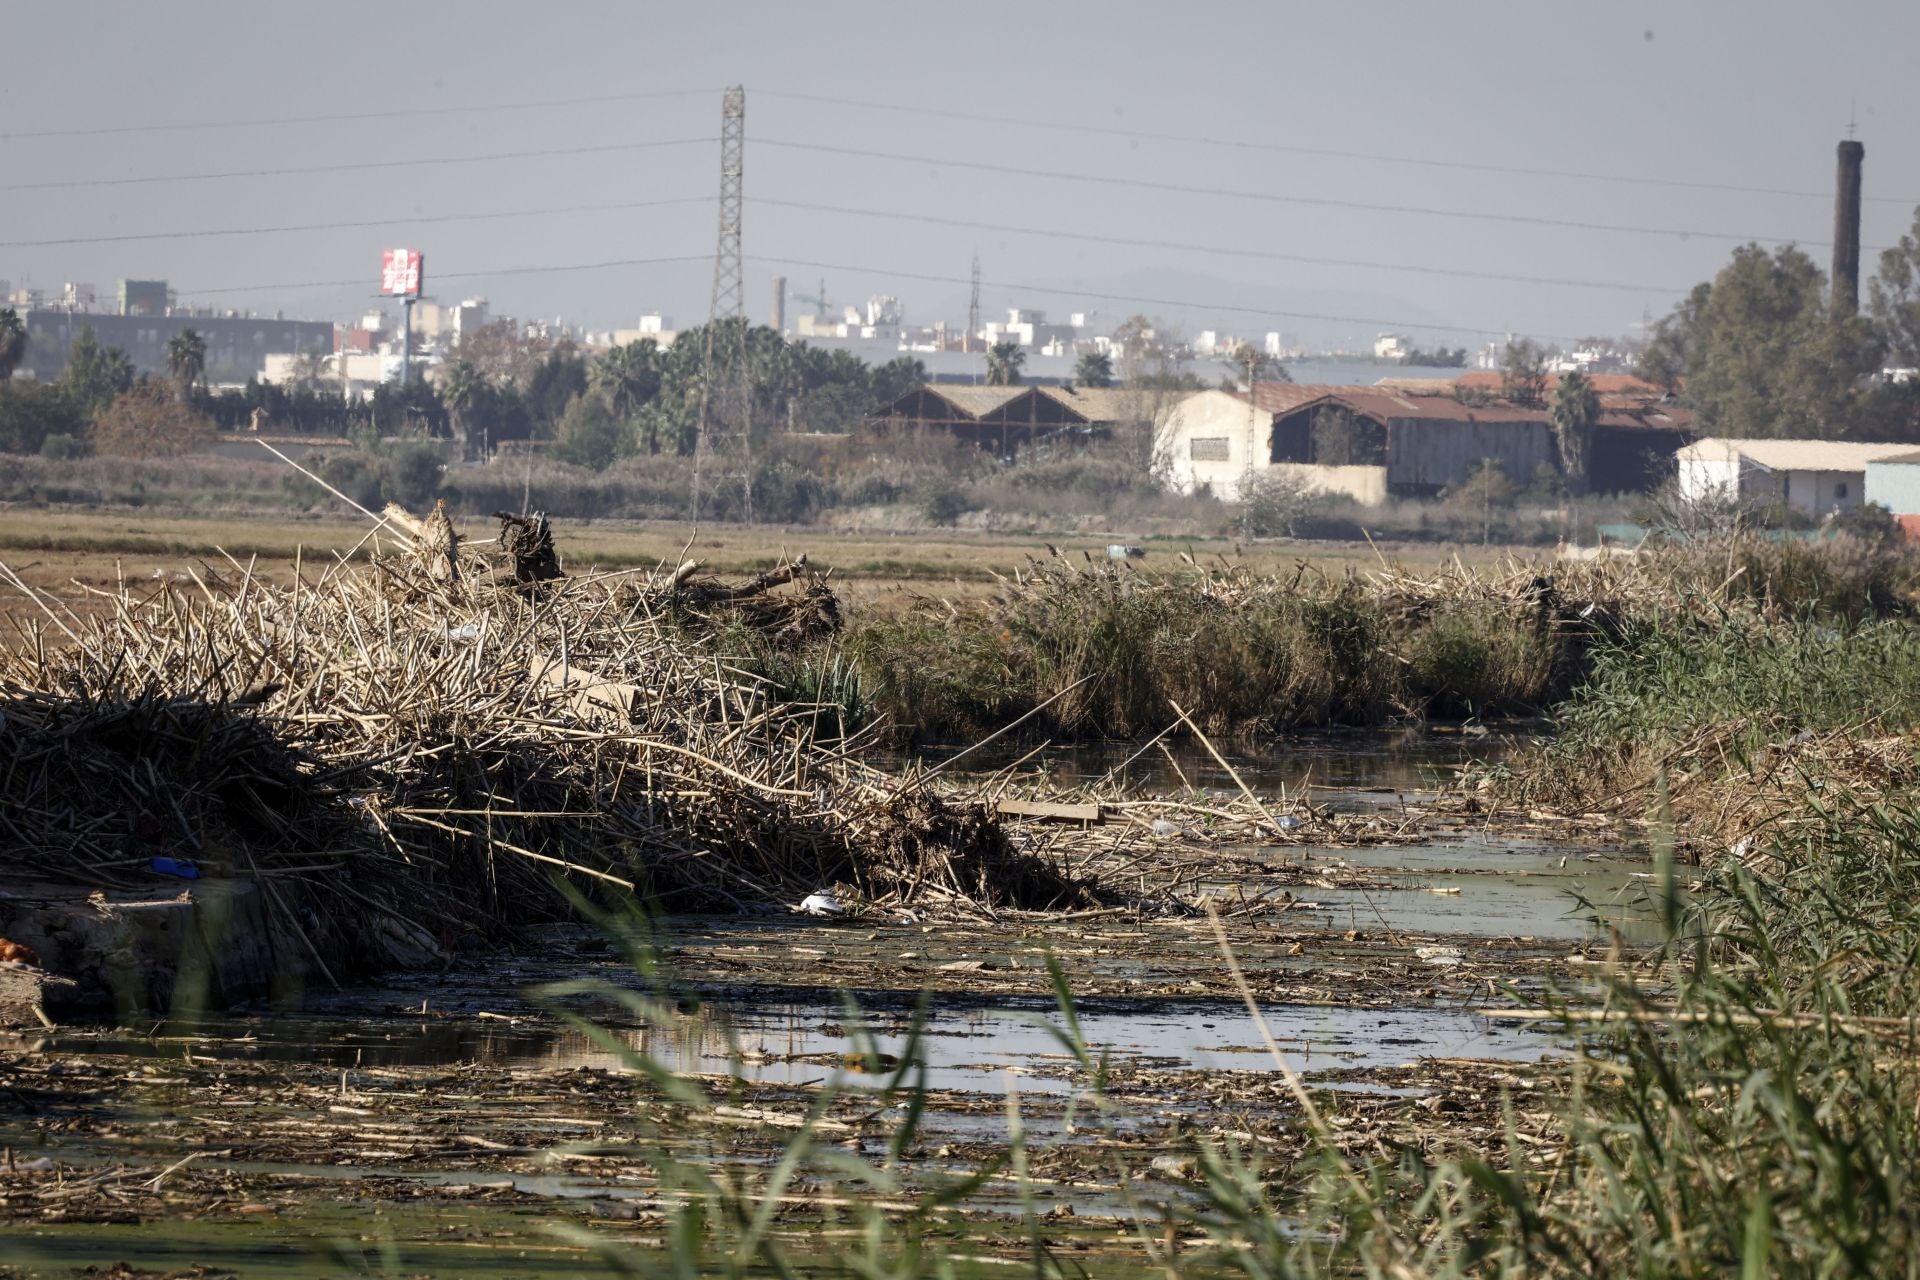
(967, 1045)
(1350, 771)
(1355, 985)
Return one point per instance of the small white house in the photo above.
(1815, 477)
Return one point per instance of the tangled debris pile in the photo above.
(408, 755)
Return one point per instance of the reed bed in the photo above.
(1251, 653)
(425, 748)
(408, 754)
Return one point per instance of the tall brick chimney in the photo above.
(1846, 231)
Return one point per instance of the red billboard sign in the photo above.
(402, 272)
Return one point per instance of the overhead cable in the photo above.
(1288, 148)
(1090, 237)
(1143, 300)
(1327, 202)
(288, 228)
(554, 269)
(349, 166)
(348, 117)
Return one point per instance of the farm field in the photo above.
(63, 552)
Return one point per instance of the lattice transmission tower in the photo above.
(973, 308)
(724, 361)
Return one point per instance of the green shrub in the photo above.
(412, 475)
(940, 501)
(1467, 661)
(62, 447)
(589, 435)
(1275, 504)
(355, 474)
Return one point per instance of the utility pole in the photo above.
(724, 359)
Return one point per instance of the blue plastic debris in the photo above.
(174, 867)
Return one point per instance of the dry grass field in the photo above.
(66, 552)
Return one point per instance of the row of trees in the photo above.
(641, 398)
(1761, 350)
(100, 402)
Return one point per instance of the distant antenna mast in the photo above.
(724, 358)
(973, 308)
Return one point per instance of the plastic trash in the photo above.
(467, 631)
(1161, 827)
(820, 904)
(179, 867)
(1287, 822)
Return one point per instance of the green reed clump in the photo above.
(1763, 679)
(1832, 577)
(1473, 659)
(1106, 653)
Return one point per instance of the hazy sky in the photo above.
(1751, 95)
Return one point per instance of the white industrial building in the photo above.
(1815, 477)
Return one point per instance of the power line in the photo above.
(363, 281)
(1330, 153)
(1270, 255)
(848, 211)
(345, 117)
(1327, 202)
(415, 162)
(289, 228)
(1142, 300)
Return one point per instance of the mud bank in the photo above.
(207, 945)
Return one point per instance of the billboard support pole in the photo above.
(406, 341)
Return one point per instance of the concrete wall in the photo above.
(1366, 485)
(1232, 437)
(1823, 493)
(1428, 454)
(1814, 493)
(237, 347)
(1895, 486)
(1709, 479)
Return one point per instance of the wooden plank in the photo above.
(588, 692)
(1049, 810)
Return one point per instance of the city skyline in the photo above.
(1149, 174)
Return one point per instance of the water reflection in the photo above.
(1358, 770)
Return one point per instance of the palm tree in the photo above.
(1094, 369)
(464, 390)
(1004, 361)
(187, 359)
(1573, 413)
(13, 342)
(628, 377)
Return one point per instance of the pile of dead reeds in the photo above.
(422, 746)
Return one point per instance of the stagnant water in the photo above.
(751, 1017)
(1347, 771)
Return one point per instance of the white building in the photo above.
(1028, 328)
(1209, 441)
(1391, 346)
(1815, 477)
